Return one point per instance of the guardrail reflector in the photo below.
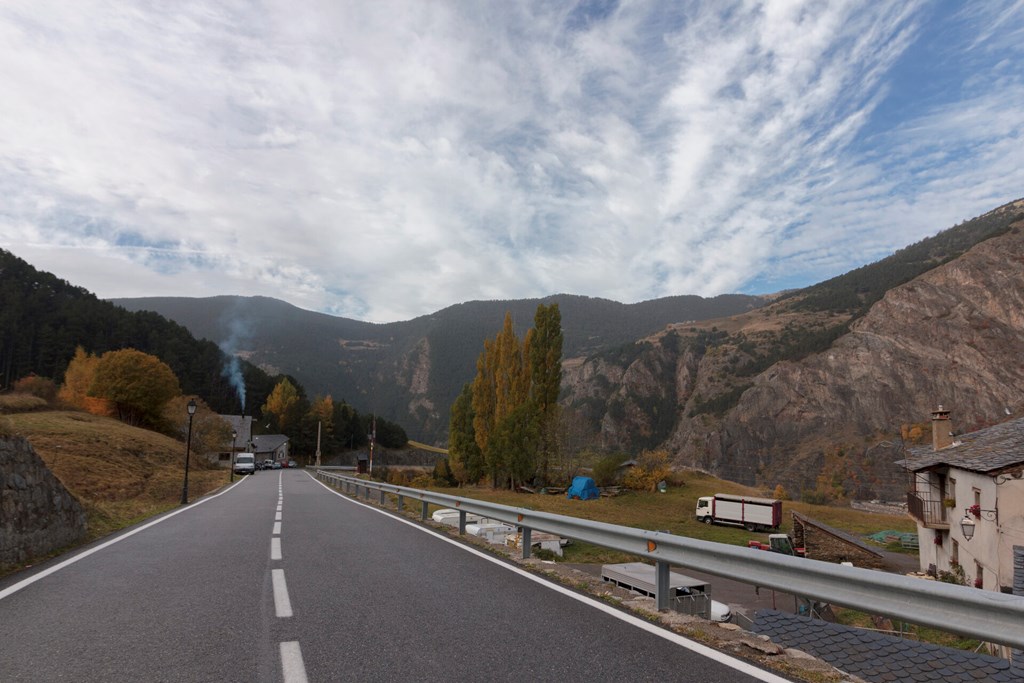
(651, 546)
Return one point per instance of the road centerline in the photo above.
(293, 669)
(282, 604)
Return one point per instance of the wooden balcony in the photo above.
(931, 513)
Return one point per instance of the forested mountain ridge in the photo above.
(43, 319)
(411, 371)
(797, 392)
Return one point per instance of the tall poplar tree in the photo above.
(545, 363)
(513, 402)
(483, 396)
(465, 459)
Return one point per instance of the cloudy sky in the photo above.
(384, 159)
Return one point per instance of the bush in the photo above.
(606, 470)
(420, 481)
(42, 387)
(399, 477)
(21, 403)
(442, 474)
(651, 467)
(954, 575)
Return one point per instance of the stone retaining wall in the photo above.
(37, 514)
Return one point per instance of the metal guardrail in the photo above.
(987, 615)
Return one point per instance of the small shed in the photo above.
(822, 542)
(362, 463)
(583, 488)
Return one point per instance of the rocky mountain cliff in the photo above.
(953, 336)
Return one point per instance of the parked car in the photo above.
(292, 463)
(268, 464)
(245, 463)
(276, 465)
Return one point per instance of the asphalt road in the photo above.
(280, 579)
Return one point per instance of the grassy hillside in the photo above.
(120, 474)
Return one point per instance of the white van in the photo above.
(245, 463)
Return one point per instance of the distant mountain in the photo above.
(411, 371)
(801, 392)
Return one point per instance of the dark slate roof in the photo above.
(848, 538)
(878, 657)
(986, 450)
(265, 443)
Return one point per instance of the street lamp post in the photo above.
(234, 435)
(188, 447)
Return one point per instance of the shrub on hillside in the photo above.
(606, 470)
(21, 403)
(442, 474)
(651, 467)
(42, 387)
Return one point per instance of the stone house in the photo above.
(241, 427)
(271, 447)
(966, 493)
(822, 542)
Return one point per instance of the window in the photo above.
(954, 552)
(979, 575)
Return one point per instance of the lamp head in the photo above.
(967, 526)
(192, 406)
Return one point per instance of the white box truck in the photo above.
(754, 514)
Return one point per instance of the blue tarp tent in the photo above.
(583, 488)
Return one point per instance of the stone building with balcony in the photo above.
(966, 494)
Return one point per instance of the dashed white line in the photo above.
(282, 605)
(277, 516)
(277, 529)
(292, 667)
(275, 549)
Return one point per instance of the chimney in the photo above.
(942, 429)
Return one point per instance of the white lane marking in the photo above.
(277, 516)
(275, 549)
(278, 507)
(282, 605)
(277, 529)
(292, 668)
(11, 590)
(691, 645)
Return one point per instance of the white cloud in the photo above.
(383, 160)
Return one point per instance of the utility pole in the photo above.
(373, 437)
(318, 424)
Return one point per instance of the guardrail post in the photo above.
(661, 587)
(366, 493)
(401, 499)
(462, 522)
(382, 497)
(527, 542)
(424, 514)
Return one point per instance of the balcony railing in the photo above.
(931, 513)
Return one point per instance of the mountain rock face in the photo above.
(952, 336)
